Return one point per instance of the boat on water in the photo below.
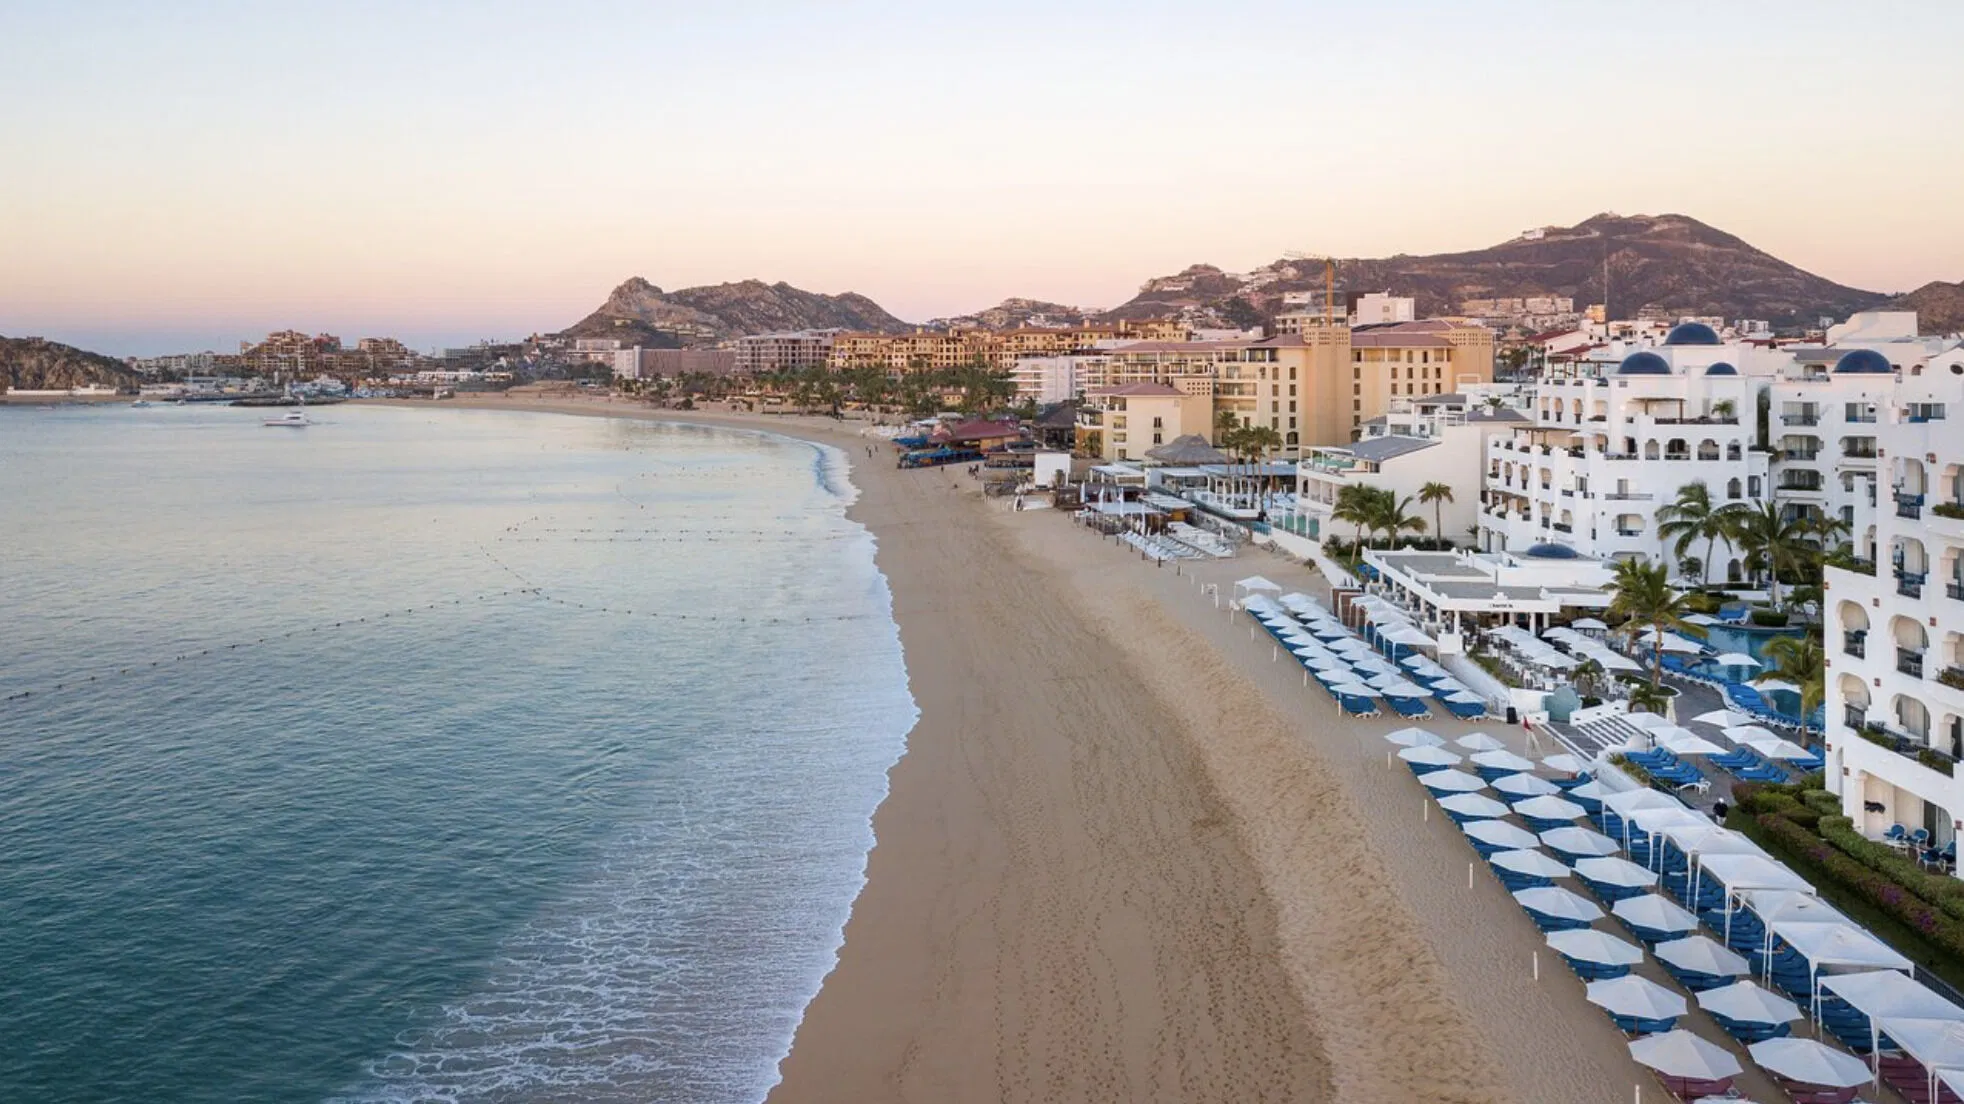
(296, 419)
(141, 402)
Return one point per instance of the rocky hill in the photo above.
(1668, 263)
(641, 313)
(1939, 307)
(34, 364)
(1012, 313)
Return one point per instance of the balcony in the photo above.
(1909, 663)
(1855, 644)
(1629, 496)
(1677, 456)
(1799, 455)
(1561, 527)
(1629, 532)
(1853, 716)
(1910, 510)
(1858, 452)
(1800, 419)
(1909, 585)
(1954, 590)
(1909, 745)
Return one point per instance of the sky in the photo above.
(182, 176)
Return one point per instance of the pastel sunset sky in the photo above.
(182, 175)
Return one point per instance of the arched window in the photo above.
(1650, 450)
(1735, 572)
(1732, 490)
(1292, 439)
(1732, 451)
(1752, 486)
(1708, 450)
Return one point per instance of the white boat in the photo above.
(297, 419)
(141, 402)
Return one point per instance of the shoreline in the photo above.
(1121, 857)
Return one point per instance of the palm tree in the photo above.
(1438, 494)
(1642, 593)
(1388, 515)
(1650, 698)
(1258, 441)
(1694, 516)
(1353, 505)
(1799, 660)
(1585, 674)
(1774, 542)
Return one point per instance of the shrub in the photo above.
(1945, 892)
(1590, 701)
(1774, 802)
(1935, 760)
(1943, 932)
(1770, 619)
(1821, 801)
(1641, 775)
(1948, 510)
(1700, 602)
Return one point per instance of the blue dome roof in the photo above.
(1551, 552)
(1691, 333)
(1866, 361)
(1645, 363)
(1721, 369)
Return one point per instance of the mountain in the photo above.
(643, 314)
(1666, 263)
(1012, 313)
(1939, 307)
(35, 364)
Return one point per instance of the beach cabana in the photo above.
(1546, 813)
(1526, 869)
(1613, 879)
(1637, 1005)
(1595, 955)
(1827, 946)
(1524, 785)
(1654, 918)
(1490, 837)
(1425, 760)
(1689, 1066)
(1932, 1044)
(1699, 962)
(1749, 1013)
(1854, 1005)
(1254, 584)
(1555, 909)
(1738, 874)
(1811, 1071)
(1472, 806)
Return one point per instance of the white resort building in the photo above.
(1612, 440)
(1879, 411)
(1432, 439)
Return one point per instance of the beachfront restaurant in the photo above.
(1451, 593)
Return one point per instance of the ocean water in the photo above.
(425, 754)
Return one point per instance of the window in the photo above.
(1292, 390)
(1158, 423)
(1356, 388)
(1292, 406)
(1356, 404)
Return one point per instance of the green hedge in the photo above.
(1769, 619)
(1828, 862)
(1821, 801)
(1941, 890)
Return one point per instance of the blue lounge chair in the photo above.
(1749, 1033)
(1410, 707)
(1595, 971)
(1633, 1025)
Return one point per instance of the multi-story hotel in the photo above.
(999, 349)
(1123, 423)
(1613, 440)
(1430, 439)
(790, 351)
(1876, 411)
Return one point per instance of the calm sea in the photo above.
(425, 754)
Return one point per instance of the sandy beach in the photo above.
(1128, 856)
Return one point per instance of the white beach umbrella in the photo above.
(1553, 660)
(1703, 619)
(1593, 789)
(1700, 954)
(1402, 689)
(1452, 781)
(1464, 697)
(1562, 634)
(1533, 864)
(1589, 623)
(1681, 1054)
(1499, 833)
(1558, 903)
(1575, 840)
(1524, 785)
(1676, 643)
(1548, 808)
(1659, 733)
(1736, 659)
(1564, 763)
(1652, 911)
(1254, 583)
(1503, 760)
(1429, 756)
(1776, 684)
(1686, 742)
(1640, 997)
(1353, 690)
(1352, 646)
(1479, 741)
(1417, 662)
(1590, 945)
(1335, 676)
(1473, 805)
(1447, 685)
(1740, 734)
(1610, 870)
(1810, 1062)
(1773, 747)
(1746, 1002)
(1723, 718)
(1414, 737)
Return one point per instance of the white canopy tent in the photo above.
(1889, 994)
(1937, 1044)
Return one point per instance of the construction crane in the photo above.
(1329, 280)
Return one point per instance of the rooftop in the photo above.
(1376, 449)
